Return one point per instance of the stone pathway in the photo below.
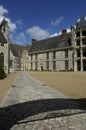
(32, 105)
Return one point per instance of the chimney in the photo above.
(64, 32)
(34, 41)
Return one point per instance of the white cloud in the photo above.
(57, 21)
(21, 38)
(3, 11)
(53, 35)
(12, 26)
(78, 20)
(19, 23)
(37, 33)
(68, 30)
(59, 33)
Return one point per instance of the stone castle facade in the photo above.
(65, 52)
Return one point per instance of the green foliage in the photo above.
(2, 73)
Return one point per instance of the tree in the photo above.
(2, 73)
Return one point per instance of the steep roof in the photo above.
(51, 43)
(16, 49)
(2, 38)
(81, 23)
(27, 47)
(4, 23)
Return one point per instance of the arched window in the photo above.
(2, 60)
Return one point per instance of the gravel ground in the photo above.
(72, 84)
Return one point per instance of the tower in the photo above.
(4, 29)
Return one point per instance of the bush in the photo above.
(2, 73)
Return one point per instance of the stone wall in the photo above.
(25, 60)
(4, 49)
(41, 58)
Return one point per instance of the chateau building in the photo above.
(66, 52)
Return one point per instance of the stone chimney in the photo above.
(64, 33)
(34, 41)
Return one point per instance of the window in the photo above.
(47, 55)
(84, 52)
(78, 34)
(66, 65)
(47, 65)
(69, 41)
(84, 33)
(36, 57)
(54, 65)
(31, 65)
(83, 41)
(78, 42)
(66, 53)
(36, 66)
(78, 65)
(84, 65)
(2, 60)
(78, 53)
(2, 44)
(54, 55)
(31, 57)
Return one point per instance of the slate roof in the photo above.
(81, 23)
(16, 49)
(51, 43)
(27, 47)
(2, 38)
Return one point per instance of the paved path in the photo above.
(32, 105)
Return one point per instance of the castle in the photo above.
(65, 52)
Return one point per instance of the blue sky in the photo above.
(40, 19)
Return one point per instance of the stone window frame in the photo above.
(78, 52)
(47, 65)
(66, 65)
(36, 57)
(66, 53)
(47, 55)
(31, 57)
(54, 65)
(54, 54)
(2, 59)
(2, 44)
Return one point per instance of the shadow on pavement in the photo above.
(14, 114)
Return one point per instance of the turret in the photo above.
(4, 28)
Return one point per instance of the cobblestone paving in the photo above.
(32, 105)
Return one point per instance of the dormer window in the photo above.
(2, 44)
(69, 41)
(78, 34)
(84, 33)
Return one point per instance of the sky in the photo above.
(39, 19)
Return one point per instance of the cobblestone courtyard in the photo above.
(32, 105)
